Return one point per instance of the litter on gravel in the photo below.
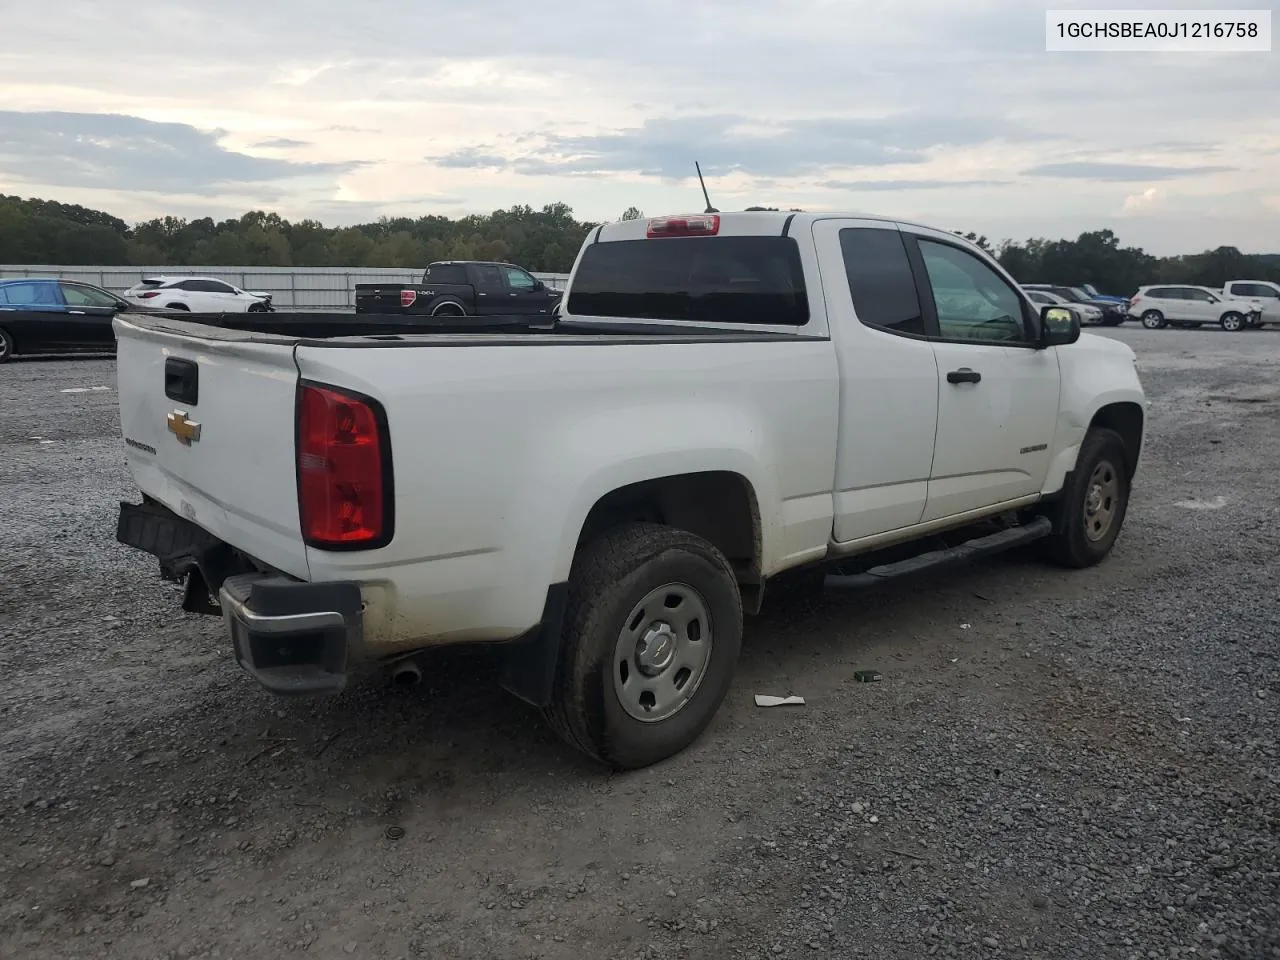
(766, 700)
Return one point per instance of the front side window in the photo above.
(972, 300)
(518, 280)
(880, 280)
(80, 296)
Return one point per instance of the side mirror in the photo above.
(1058, 327)
(538, 285)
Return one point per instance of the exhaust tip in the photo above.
(406, 675)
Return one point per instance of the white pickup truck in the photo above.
(600, 495)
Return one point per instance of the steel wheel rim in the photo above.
(1101, 501)
(662, 653)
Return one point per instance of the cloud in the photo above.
(280, 143)
(122, 152)
(878, 185)
(666, 147)
(1119, 172)
(1142, 202)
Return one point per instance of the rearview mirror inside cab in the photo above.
(1058, 327)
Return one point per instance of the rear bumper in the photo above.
(293, 638)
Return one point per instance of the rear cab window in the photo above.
(735, 279)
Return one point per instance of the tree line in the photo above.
(546, 240)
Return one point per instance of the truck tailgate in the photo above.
(208, 421)
(384, 297)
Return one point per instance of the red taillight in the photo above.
(344, 498)
(703, 225)
(149, 294)
(407, 297)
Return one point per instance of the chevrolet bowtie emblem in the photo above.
(187, 431)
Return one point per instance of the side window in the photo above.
(1204, 296)
(445, 273)
(217, 286)
(1159, 293)
(79, 296)
(192, 286)
(488, 278)
(38, 294)
(973, 301)
(518, 280)
(880, 280)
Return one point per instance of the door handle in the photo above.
(78, 313)
(964, 375)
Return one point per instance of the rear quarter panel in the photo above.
(500, 451)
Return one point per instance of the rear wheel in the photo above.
(449, 309)
(652, 635)
(1233, 322)
(6, 346)
(1093, 504)
(1154, 320)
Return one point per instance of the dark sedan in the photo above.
(56, 316)
(1113, 313)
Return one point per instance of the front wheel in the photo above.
(6, 346)
(652, 635)
(1154, 320)
(1233, 322)
(1094, 502)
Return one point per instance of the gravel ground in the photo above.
(1055, 765)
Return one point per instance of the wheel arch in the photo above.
(1128, 419)
(720, 506)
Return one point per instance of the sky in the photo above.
(947, 112)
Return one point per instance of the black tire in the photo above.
(6, 346)
(1233, 322)
(1154, 320)
(1101, 459)
(611, 576)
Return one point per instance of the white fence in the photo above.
(291, 288)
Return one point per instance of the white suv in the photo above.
(1187, 306)
(198, 295)
(1265, 293)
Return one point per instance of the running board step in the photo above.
(980, 547)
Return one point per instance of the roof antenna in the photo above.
(710, 208)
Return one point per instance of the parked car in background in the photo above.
(1113, 314)
(1265, 292)
(47, 315)
(461, 288)
(1093, 293)
(198, 295)
(1183, 305)
(1086, 313)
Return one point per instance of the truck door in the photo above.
(888, 378)
(491, 289)
(524, 293)
(997, 393)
